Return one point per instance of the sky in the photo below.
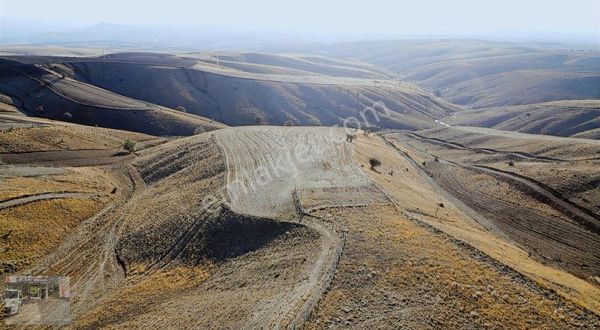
(422, 17)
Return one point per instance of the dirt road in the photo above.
(43, 196)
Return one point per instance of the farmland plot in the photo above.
(266, 164)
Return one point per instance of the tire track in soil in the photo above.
(88, 256)
(544, 193)
(582, 221)
(297, 306)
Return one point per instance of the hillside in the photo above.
(490, 169)
(561, 118)
(482, 73)
(243, 89)
(42, 92)
(288, 227)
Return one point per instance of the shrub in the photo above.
(199, 130)
(39, 110)
(129, 145)
(511, 163)
(374, 162)
(181, 108)
(67, 116)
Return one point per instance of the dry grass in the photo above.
(418, 197)
(33, 230)
(75, 179)
(142, 292)
(63, 137)
(395, 271)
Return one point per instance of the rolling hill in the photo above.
(561, 118)
(288, 227)
(243, 89)
(45, 93)
(482, 73)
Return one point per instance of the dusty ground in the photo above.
(484, 233)
(41, 208)
(287, 159)
(43, 135)
(567, 165)
(546, 206)
(330, 243)
(396, 273)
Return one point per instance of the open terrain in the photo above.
(479, 73)
(248, 89)
(42, 92)
(433, 216)
(287, 226)
(52, 178)
(562, 118)
(540, 192)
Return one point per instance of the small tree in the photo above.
(374, 162)
(511, 163)
(199, 130)
(67, 116)
(39, 110)
(181, 108)
(129, 145)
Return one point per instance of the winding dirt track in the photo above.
(544, 193)
(88, 255)
(459, 146)
(21, 200)
(567, 237)
(77, 157)
(582, 215)
(320, 159)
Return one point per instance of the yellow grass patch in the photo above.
(81, 179)
(414, 193)
(143, 293)
(30, 231)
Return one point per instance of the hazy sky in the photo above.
(578, 17)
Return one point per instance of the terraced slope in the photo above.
(562, 118)
(267, 89)
(42, 92)
(324, 241)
